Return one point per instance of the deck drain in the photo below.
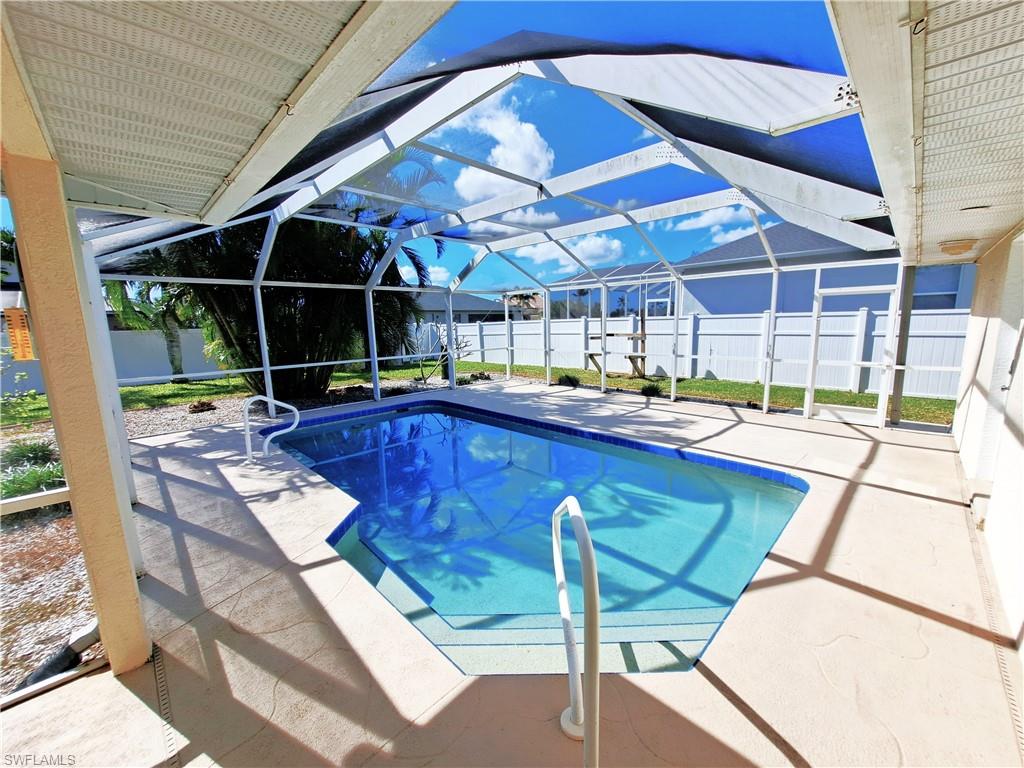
(993, 625)
(163, 697)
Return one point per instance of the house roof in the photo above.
(461, 302)
(791, 245)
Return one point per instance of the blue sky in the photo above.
(539, 129)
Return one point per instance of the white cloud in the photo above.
(594, 250)
(438, 274)
(643, 136)
(531, 217)
(720, 236)
(627, 204)
(519, 147)
(716, 216)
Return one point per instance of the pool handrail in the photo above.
(581, 718)
(266, 441)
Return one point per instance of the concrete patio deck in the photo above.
(866, 638)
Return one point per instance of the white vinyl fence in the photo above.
(732, 347)
(137, 354)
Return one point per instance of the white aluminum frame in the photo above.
(761, 97)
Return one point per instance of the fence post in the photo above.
(585, 333)
(480, 340)
(859, 340)
(763, 344)
(508, 339)
(692, 325)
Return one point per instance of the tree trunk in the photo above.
(171, 329)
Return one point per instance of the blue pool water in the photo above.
(458, 505)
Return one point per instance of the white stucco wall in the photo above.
(988, 426)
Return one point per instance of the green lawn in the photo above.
(924, 409)
(157, 395)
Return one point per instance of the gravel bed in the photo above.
(177, 418)
(44, 591)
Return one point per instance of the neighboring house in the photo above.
(466, 308)
(937, 287)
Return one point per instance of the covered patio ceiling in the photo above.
(732, 120)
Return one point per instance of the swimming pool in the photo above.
(453, 525)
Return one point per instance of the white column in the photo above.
(769, 361)
(547, 335)
(106, 352)
(480, 341)
(450, 322)
(261, 329)
(812, 352)
(889, 350)
(508, 339)
(371, 343)
(677, 308)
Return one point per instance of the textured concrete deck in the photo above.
(863, 640)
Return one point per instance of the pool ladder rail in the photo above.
(266, 441)
(581, 718)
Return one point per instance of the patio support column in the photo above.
(76, 378)
(769, 361)
(371, 340)
(261, 328)
(450, 321)
(106, 351)
(812, 352)
(547, 335)
(902, 340)
(604, 337)
(889, 350)
(677, 306)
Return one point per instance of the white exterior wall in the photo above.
(989, 425)
(936, 339)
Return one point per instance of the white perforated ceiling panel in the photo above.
(973, 163)
(162, 100)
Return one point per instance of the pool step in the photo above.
(440, 632)
(550, 659)
(678, 617)
(535, 642)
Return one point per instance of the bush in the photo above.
(462, 381)
(28, 452)
(28, 478)
(651, 390)
(568, 380)
(480, 376)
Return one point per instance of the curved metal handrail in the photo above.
(266, 441)
(577, 723)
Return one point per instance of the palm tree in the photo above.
(304, 325)
(151, 306)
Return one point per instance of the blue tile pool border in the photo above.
(754, 470)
